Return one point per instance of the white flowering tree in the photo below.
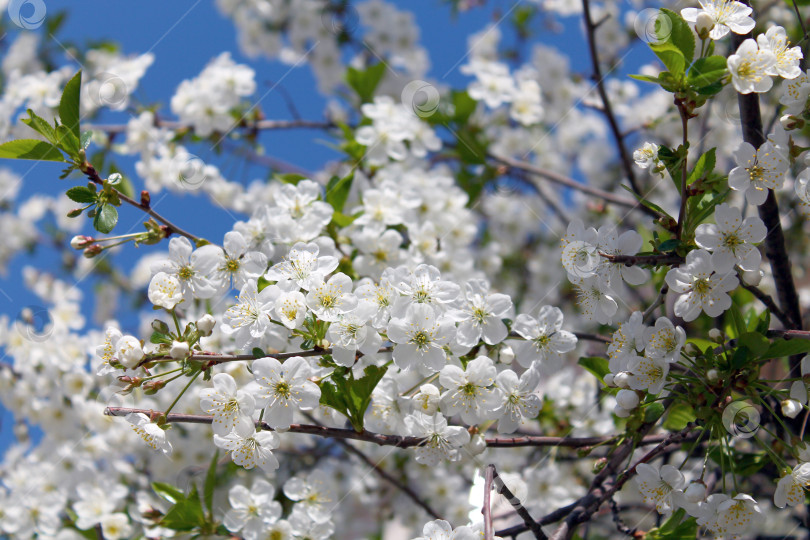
(554, 302)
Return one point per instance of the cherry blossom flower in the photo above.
(183, 263)
(750, 68)
(331, 299)
(646, 157)
(314, 493)
(303, 265)
(231, 407)
(419, 338)
(790, 488)
(730, 239)
(283, 388)
(165, 290)
(787, 57)
(251, 509)
(728, 15)
(658, 486)
(351, 333)
(545, 340)
(758, 171)
(423, 285)
(232, 266)
(129, 351)
(470, 392)
(150, 432)
(664, 340)
(726, 516)
(481, 315)
(519, 399)
(701, 288)
(251, 449)
(442, 442)
(249, 320)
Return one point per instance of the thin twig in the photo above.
(566, 181)
(768, 301)
(659, 300)
(486, 510)
(500, 487)
(627, 163)
(664, 259)
(261, 125)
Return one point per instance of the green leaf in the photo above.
(106, 218)
(342, 220)
(653, 411)
(210, 484)
(643, 201)
(337, 191)
(675, 45)
(787, 347)
(186, 514)
(734, 323)
(675, 528)
(707, 71)
(40, 125)
(290, 178)
(351, 396)
(755, 342)
(597, 365)
(463, 106)
(678, 416)
(365, 82)
(81, 194)
(703, 167)
(30, 149)
(258, 353)
(67, 141)
(168, 492)
(69, 105)
(645, 78)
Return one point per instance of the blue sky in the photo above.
(186, 34)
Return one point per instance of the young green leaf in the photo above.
(210, 484)
(69, 105)
(105, 219)
(82, 194)
(337, 191)
(706, 71)
(365, 82)
(67, 141)
(41, 126)
(30, 149)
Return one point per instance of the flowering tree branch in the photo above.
(500, 487)
(260, 125)
(663, 259)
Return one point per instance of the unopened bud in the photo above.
(93, 250)
(179, 350)
(477, 444)
(703, 25)
(622, 379)
(76, 212)
(609, 379)
(506, 355)
(206, 324)
(790, 122)
(620, 411)
(715, 335)
(712, 375)
(791, 408)
(627, 399)
(81, 241)
(752, 277)
(146, 199)
(152, 387)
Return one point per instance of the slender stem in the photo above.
(627, 163)
(530, 523)
(261, 125)
(684, 195)
(183, 391)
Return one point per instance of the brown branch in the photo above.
(767, 301)
(216, 358)
(390, 440)
(598, 78)
(500, 487)
(566, 181)
(664, 259)
(92, 174)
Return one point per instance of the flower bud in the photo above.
(151, 387)
(92, 251)
(695, 492)
(76, 212)
(129, 351)
(715, 335)
(622, 379)
(791, 408)
(609, 379)
(752, 277)
(790, 122)
(627, 399)
(704, 24)
(81, 241)
(506, 354)
(179, 350)
(206, 324)
(712, 375)
(620, 411)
